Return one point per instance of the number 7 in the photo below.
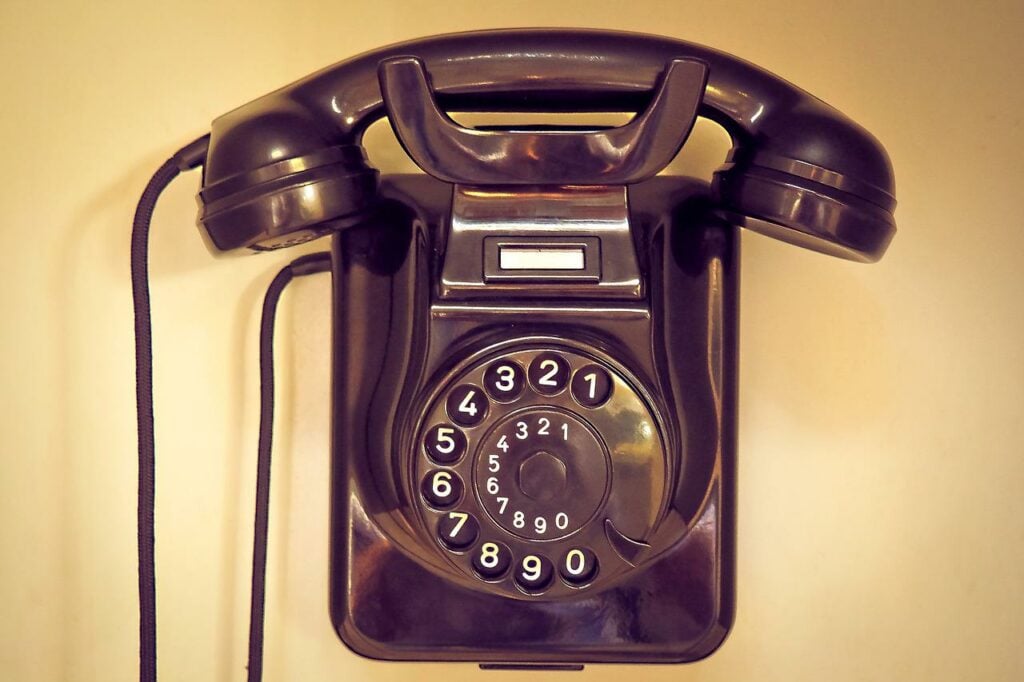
(461, 516)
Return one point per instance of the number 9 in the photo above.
(531, 568)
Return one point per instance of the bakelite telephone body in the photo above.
(534, 391)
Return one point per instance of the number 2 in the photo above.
(549, 378)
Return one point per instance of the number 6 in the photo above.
(442, 484)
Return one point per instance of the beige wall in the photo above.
(881, 520)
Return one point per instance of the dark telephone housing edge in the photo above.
(389, 598)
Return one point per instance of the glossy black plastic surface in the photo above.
(616, 156)
(287, 166)
(455, 534)
(660, 595)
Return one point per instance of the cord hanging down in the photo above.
(189, 157)
(305, 265)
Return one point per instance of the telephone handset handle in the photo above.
(611, 156)
(289, 165)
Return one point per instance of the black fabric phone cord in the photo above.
(306, 265)
(189, 156)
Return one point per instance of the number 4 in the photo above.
(467, 406)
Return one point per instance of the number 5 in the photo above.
(445, 442)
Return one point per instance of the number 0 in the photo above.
(575, 562)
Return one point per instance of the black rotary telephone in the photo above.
(534, 396)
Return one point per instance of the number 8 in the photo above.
(489, 555)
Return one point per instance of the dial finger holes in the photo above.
(458, 530)
(549, 373)
(441, 489)
(516, 446)
(533, 572)
(467, 405)
(445, 444)
(492, 560)
(578, 566)
(504, 380)
(591, 386)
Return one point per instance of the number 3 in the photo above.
(506, 377)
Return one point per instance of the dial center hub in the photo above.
(542, 476)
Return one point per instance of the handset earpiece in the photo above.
(815, 179)
(288, 202)
(290, 166)
(283, 190)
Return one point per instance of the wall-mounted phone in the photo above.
(535, 340)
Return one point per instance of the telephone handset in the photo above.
(535, 342)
